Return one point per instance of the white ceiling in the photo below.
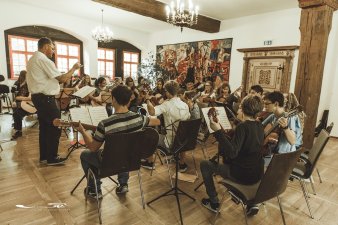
(217, 9)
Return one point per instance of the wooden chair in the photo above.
(273, 183)
(123, 153)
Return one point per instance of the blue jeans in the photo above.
(208, 169)
(92, 160)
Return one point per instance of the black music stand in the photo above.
(185, 140)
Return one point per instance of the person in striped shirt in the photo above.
(122, 121)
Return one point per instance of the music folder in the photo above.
(84, 91)
(89, 115)
(221, 115)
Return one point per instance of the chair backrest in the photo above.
(123, 151)
(4, 89)
(275, 178)
(2, 78)
(329, 128)
(186, 135)
(317, 149)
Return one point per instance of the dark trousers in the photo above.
(18, 115)
(49, 135)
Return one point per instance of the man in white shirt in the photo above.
(43, 80)
(173, 111)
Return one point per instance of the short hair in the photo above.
(257, 88)
(139, 79)
(44, 41)
(275, 96)
(171, 87)
(252, 105)
(122, 94)
(99, 80)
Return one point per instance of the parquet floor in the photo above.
(23, 181)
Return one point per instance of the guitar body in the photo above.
(98, 101)
(28, 106)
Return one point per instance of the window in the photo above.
(130, 64)
(20, 50)
(66, 55)
(106, 62)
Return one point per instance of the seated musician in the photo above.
(207, 96)
(188, 98)
(85, 81)
(223, 92)
(257, 90)
(101, 87)
(159, 90)
(18, 113)
(290, 129)
(173, 111)
(291, 102)
(122, 120)
(242, 158)
(135, 94)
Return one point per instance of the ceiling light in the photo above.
(101, 33)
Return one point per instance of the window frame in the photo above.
(105, 60)
(130, 63)
(68, 57)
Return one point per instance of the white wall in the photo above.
(282, 28)
(15, 14)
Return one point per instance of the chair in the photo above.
(185, 140)
(273, 183)
(123, 153)
(4, 91)
(304, 168)
(322, 123)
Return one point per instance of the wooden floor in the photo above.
(23, 181)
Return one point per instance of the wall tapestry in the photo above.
(186, 61)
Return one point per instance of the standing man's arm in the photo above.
(66, 76)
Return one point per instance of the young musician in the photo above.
(43, 83)
(173, 111)
(122, 121)
(19, 113)
(242, 159)
(101, 86)
(290, 135)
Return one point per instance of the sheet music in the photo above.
(84, 91)
(80, 114)
(97, 114)
(221, 115)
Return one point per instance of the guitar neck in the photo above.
(61, 123)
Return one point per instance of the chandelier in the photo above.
(178, 16)
(101, 33)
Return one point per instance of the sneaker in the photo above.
(121, 189)
(57, 161)
(251, 210)
(182, 167)
(43, 161)
(214, 207)
(16, 135)
(148, 165)
(92, 194)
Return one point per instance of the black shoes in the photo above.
(213, 207)
(16, 135)
(92, 194)
(182, 167)
(122, 189)
(148, 165)
(57, 161)
(251, 210)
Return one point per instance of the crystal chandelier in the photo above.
(178, 16)
(101, 33)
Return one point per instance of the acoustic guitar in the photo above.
(63, 123)
(28, 106)
(272, 133)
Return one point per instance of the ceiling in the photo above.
(217, 9)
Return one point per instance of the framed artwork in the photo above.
(185, 61)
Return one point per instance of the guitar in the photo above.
(62, 123)
(28, 106)
(271, 137)
(103, 98)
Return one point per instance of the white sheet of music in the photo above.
(97, 114)
(221, 115)
(84, 91)
(80, 114)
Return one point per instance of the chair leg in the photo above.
(91, 174)
(141, 190)
(305, 196)
(193, 158)
(168, 168)
(113, 180)
(78, 183)
(320, 178)
(281, 209)
(312, 186)
(244, 212)
(156, 155)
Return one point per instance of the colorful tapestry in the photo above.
(195, 60)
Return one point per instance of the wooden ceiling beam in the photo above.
(156, 10)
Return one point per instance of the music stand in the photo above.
(76, 145)
(185, 140)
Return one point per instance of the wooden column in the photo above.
(315, 26)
